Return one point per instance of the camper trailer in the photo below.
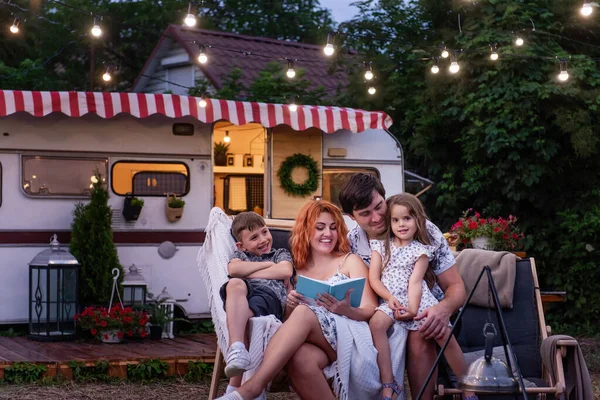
(151, 146)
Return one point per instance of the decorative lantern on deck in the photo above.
(169, 304)
(53, 294)
(134, 288)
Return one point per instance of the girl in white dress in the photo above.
(400, 275)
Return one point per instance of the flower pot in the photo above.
(482, 243)
(156, 332)
(173, 214)
(130, 212)
(220, 160)
(111, 336)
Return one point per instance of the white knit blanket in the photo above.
(213, 258)
(355, 373)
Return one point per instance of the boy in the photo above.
(258, 283)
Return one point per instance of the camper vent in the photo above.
(118, 222)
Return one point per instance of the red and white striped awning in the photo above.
(141, 105)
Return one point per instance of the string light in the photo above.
(586, 9)
(202, 102)
(369, 72)
(291, 72)
(14, 28)
(227, 138)
(454, 67)
(519, 41)
(445, 52)
(96, 30)
(202, 57)
(292, 105)
(329, 49)
(435, 68)
(371, 90)
(106, 76)
(564, 74)
(494, 52)
(190, 19)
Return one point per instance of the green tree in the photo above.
(503, 137)
(92, 244)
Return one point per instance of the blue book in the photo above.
(310, 288)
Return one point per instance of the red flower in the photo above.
(472, 225)
(143, 334)
(104, 324)
(130, 333)
(105, 336)
(127, 319)
(94, 332)
(120, 334)
(482, 221)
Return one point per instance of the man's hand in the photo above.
(436, 322)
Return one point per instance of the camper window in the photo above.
(150, 178)
(56, 176)
(334, 178)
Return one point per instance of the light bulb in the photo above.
(190, 20)
(106, 77)
(435, 69)
(563, 76)
(202, 103)
(369, 75)
(93, 179)
(494, 56)
(519, 41)
(96, 30)
(586, 9)
(291, 72)
(14, 28)
(454, 67)
(445, 53)
(329, 49)
(372, 90)
(293, 107)
(202, 58)
(227, 139)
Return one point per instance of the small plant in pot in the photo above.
(221, 150)
(174, 208)
(132, 207)
(158, 315)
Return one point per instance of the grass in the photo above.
(178, 388)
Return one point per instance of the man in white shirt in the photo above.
(363, 198)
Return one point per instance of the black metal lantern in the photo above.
(53, 294)
(134, 288)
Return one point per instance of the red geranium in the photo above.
(503, 234)
(100, 320)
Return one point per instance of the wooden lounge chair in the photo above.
(526, 328)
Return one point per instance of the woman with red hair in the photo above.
(321, 251)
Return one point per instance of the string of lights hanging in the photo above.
(329, 48)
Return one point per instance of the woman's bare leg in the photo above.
(302, 326)
(379, 325)
(305, 370)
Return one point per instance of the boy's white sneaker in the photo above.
(238, 360)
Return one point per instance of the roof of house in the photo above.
(225, 52)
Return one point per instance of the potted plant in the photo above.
(111, 325)
(159, 315)
(132, 207)
(487, 233)
(221, 154)
(174, 208)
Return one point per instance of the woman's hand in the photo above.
(294, 299)
(334, 305)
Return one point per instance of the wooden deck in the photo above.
(56, 356)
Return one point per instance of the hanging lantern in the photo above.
(134, 288)
(53, 294)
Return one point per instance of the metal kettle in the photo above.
(488, 374)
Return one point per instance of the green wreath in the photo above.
(285, 175)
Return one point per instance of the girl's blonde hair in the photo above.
(305, 226)
(417, 211)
